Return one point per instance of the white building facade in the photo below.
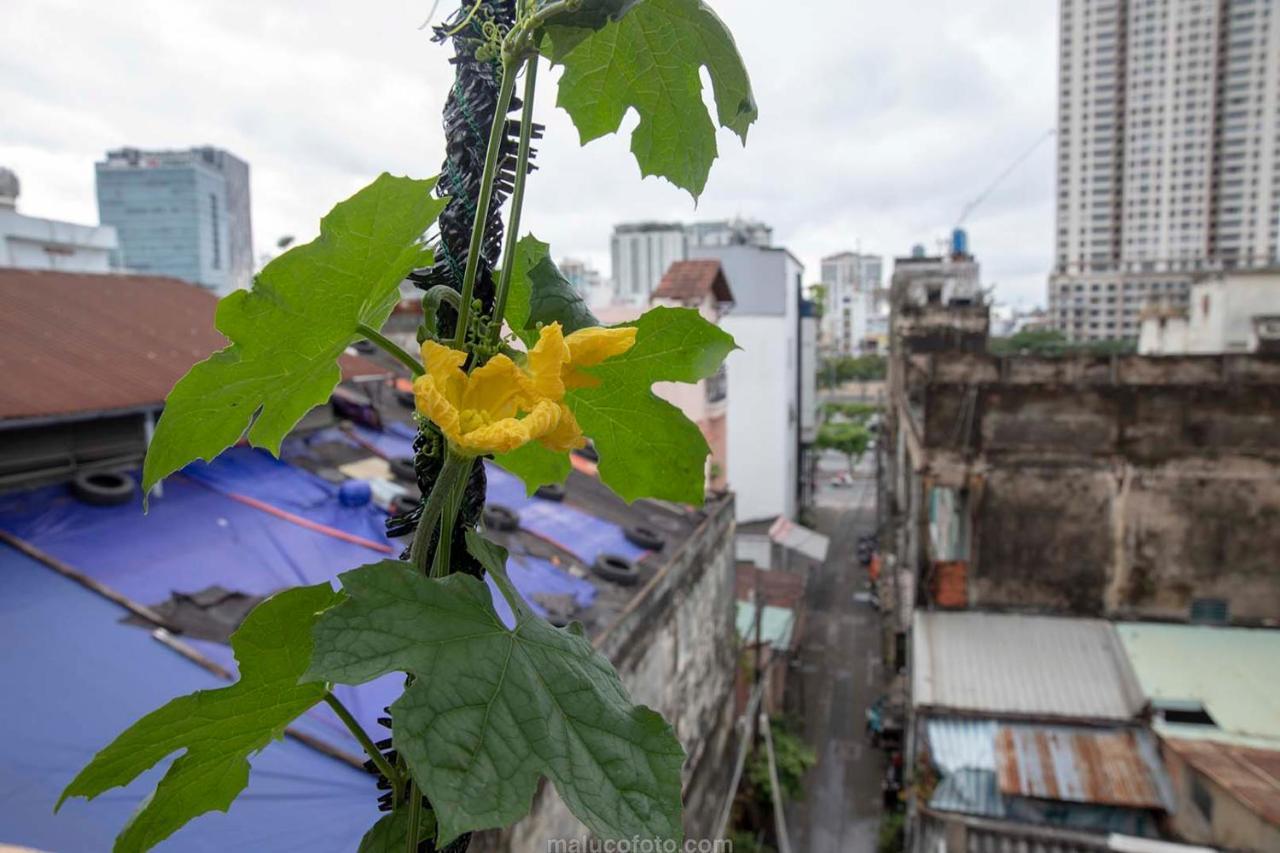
(1168, 153)
(641, 252)
(1227, 312)
(852, 281)
(765, 386)
(30, 242)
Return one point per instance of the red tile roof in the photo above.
(74, 343)
(691, 281)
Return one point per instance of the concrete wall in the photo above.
(1097, 486)
(675, 650)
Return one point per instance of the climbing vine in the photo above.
(513, 367)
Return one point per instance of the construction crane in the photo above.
(982, 196)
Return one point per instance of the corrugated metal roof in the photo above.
(1102, 766)
(77, 342)
(775, 625)
(983, 835)
(1231, 672)
(957, 744)
(1022, 666)
(799, 538)
(1252, 776)
(969, 791)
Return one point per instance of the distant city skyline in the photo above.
(860, 135)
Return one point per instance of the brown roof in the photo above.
(1250, 775)
(779, 589)
(691, 281)
(73, 343)
(1076, 764)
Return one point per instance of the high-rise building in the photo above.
(641, 252)
(729, 232)
(1168, 153)
(180, 213)
(851, 280)
(30, 242)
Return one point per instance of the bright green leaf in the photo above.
(529, 251)
(647, 447)
(492, 709)
(649, 60)
(217, 729)
(287, 332)
(536, 466)
(388, 834)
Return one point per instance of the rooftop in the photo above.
(693, 281)
(1250, 775)
(74, 344)
(1029, 667)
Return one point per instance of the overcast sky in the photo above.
(878, 121)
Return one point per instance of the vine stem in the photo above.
(452, 477)
(496, 133)
(415, 818)
(375, 754)
(517, 198)
(389, 346)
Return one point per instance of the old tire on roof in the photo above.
(550, 492)
(499, 517)
(616, 569)
(103, 488)
(644, 537)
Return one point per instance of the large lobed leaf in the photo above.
(491, 709)
(218, 729)
(288, 331)
(648, 57)
(647, 447)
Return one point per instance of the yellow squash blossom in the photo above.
(555, 366)
(490, 410)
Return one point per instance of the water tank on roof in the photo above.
(959, 242)
(917, 251)
(9, 188)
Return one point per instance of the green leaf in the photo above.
(590, 14)
(649, 60)
(492, 709)
(647, 447)
(218, 729)
(288, 331)
(536, 466)
(541, 294)
(388, 834)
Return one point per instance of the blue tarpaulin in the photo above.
(74, 677)
(203, 533)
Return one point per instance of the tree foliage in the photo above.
(839, 370)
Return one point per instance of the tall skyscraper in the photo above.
(851, 280)
(180, 213)
(641, 253)
(1168, 153)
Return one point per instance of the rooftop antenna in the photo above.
(1018, 161)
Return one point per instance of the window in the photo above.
(1201, 797)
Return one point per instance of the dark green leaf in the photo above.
(650, 60)
(647, 447)
(492, 709)
(388, 834)
(217, 729)
(541, 294)
(287, 332)
(589, 14)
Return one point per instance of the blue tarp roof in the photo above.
(213, 525)
(74, 678)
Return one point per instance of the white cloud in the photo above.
(878, 121)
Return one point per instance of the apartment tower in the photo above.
(1168, 154)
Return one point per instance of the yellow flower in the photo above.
(490, 410)
(555, 366)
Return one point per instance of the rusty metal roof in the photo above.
(1115, 767)
(1042, 668)
(77, 343)
(1250, 775)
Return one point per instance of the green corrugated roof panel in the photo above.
(1230, 672)
(775, 626)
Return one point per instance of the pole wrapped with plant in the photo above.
(487, 708)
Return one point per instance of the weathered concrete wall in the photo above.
(675, 649)
(1123, 486)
